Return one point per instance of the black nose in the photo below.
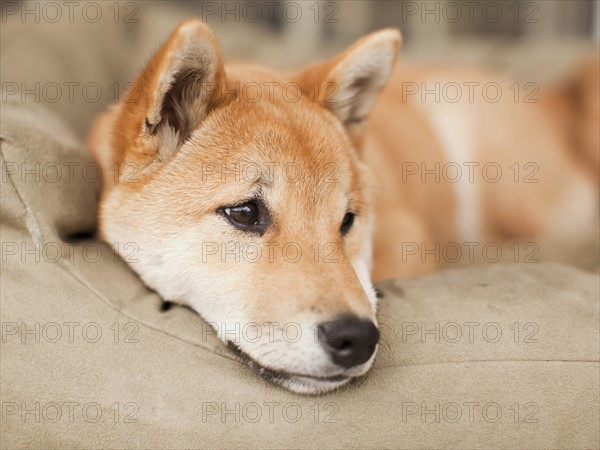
(349, 340)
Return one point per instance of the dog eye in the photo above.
(245, 215)
(347, 223)
(249, 216)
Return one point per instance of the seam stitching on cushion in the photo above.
(584, 361)
(143, 322)
(12, 183)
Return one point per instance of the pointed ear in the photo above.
(176, 90)
(348, 85)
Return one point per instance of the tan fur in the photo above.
(166, 201)
(561, 203)
(574, 107)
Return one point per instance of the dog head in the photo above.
(243, 191)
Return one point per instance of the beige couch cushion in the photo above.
(500, 356)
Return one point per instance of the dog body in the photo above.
(459, 165)
(260, 214)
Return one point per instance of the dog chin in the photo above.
(303, 383)
(312, 386)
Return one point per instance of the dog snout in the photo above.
(349, 340)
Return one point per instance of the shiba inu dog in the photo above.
(252, 195)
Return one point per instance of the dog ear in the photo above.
(348, 85)
(176, 90)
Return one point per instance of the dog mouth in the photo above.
(296, 382)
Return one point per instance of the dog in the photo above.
(297, 181)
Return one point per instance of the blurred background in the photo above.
(77, 57)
